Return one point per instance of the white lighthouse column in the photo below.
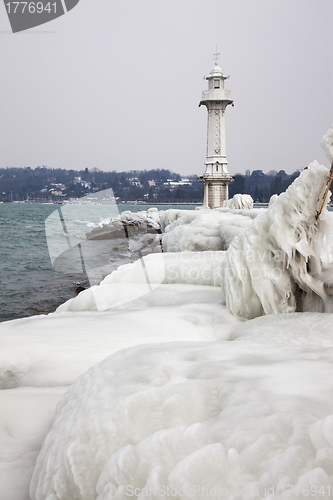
(216, 149)
(216, 177)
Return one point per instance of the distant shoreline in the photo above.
(138, 203)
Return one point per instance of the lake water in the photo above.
(29, 283)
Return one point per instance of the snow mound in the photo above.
(145, 275)
(192, 268)
(276, 265)
(308, 328)
(193, 417)
(241, 201)
(54, 350)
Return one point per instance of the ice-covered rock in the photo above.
(127, 224)
(198, 231)
(174, 214)
(275, 265)
(273, 199)
(241, 201)
(229, 229)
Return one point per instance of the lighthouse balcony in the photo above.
(216, 176)
(216, 95)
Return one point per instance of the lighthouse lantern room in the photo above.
(216, 177)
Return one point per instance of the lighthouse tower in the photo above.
(216, 177)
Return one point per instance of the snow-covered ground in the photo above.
(182, 398)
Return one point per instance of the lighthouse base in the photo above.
(216, 190)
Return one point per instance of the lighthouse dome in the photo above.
(216, 71)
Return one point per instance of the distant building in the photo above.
(216, 177)
(55, 192)
(134, 181)
(174, 184)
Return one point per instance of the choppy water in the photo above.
(28, 283)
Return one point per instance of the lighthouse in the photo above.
(216, 177)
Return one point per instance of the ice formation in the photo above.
(239, 201)
(151, 216)
(229, 229)
(202, 230)
(277, 264)
(195, 418)
(327, 145)
(273, 199)
(173, 214)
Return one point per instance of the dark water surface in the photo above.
(29, 284)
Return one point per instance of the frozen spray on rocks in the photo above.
(327, 145)
(283, 262)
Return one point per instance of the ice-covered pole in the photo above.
(327, 145)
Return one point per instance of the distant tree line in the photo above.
(261, 186)
(153, 186)
(44, 184)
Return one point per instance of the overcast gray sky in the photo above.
(116, 84)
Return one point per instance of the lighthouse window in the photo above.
(210, 84)
(216, 84)
(217, 168)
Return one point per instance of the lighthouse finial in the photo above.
(216, 56)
